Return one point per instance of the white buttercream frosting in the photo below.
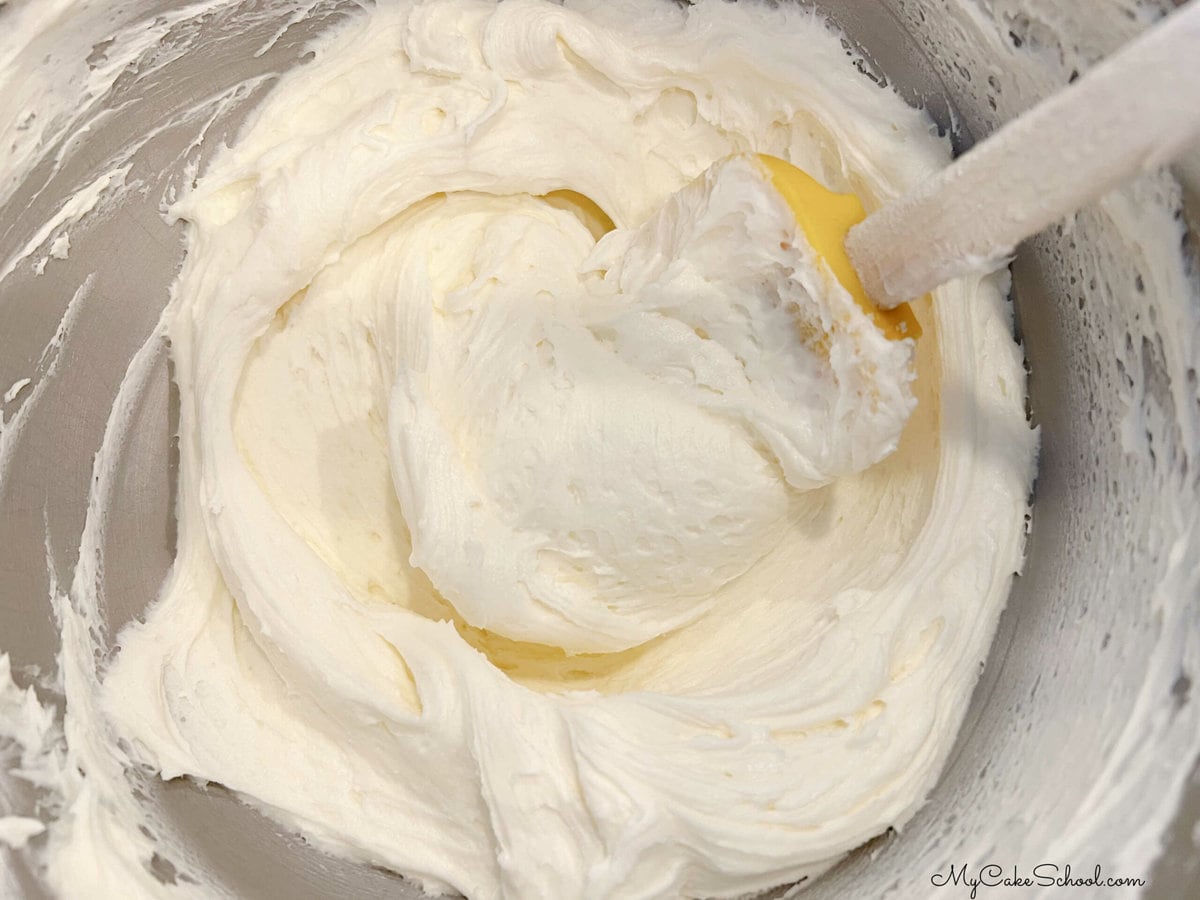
(588, 444)
(534, 565)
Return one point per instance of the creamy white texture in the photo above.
(587, 444)
(816, 650)
(369, 266)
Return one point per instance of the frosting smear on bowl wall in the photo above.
(549, 524)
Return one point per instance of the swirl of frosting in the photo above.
(547, 527)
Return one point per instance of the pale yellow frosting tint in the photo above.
(548, 526)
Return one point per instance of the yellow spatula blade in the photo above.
(825, 218)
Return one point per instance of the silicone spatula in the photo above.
(1134, 112)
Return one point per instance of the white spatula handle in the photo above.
(1136, 111)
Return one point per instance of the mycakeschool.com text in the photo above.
(976, 880)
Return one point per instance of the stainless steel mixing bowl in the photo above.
(1058, 754)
